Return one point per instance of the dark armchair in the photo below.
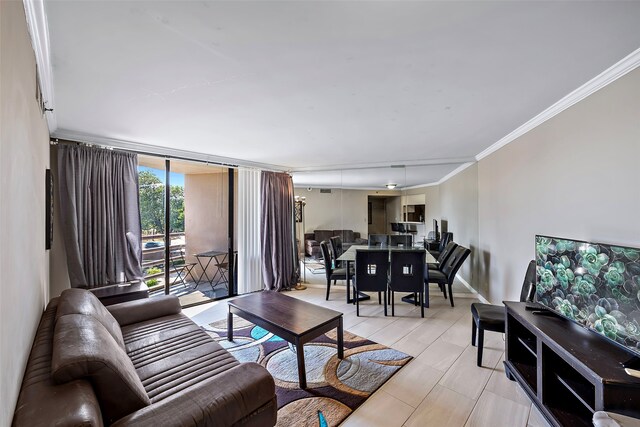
(337, 249)
(372, 268)
(444, 256)
(446, 238)
(407, 275)
(331, 273)
(446, 273)
(490, 317)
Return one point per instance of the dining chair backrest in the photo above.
(336, 246)
(446, 238)
(378, 240)
(529, 284)
(454, 262)
(326, 255)
(448, 250)
(405, 240)
(372, 269)
(407, 270)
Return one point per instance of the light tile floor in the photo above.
(442, 386)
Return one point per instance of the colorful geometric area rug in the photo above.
(335, 387)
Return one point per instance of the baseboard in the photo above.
(473, 291)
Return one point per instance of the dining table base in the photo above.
(411, 299)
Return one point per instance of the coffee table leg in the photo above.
(230, 326)
(302, 375)
(340, 340)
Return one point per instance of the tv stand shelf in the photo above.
(568, 371)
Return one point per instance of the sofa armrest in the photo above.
(309, 236)
(312, 242)
(360, 241)
(356, 236)
(130, 312)
(223, 400)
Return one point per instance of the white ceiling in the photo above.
(315, 85)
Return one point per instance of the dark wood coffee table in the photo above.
(295, 321)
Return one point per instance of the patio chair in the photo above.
(179, 266)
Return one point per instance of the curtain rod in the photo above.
(57, 141)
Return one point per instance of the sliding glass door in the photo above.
(196, 201)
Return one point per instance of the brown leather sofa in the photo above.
(139, 363)
(312, 240)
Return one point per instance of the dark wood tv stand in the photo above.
(568, 371)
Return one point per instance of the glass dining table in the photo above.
(349, 256)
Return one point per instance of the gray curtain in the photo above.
(100, 215)
(277, 231)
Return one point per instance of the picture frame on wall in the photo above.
(48, 190)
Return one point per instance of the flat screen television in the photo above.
(594, 284)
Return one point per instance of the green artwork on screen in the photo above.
(594, 284)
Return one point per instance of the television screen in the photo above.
(594, 284)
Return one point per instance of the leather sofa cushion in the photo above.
(346, 235)
(84, 348)
(172, 353)
(136, 311)
(81, 301)
(322, 235)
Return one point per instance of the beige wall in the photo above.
(575, 176)
(432, 205)
(458, 207)
(206, 214)
(24, 156)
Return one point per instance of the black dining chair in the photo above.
(372, 274)
(331, 273)
(444, 255)
(444, 241)
(336, 248)
(381, 240)
(490, 317)
(407, 275)
(446, 273)
(405, 240)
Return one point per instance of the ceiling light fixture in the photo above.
(391, 186)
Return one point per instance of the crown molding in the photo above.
(39, 30)
(387, 164)
(157, 150)
(611, 74)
